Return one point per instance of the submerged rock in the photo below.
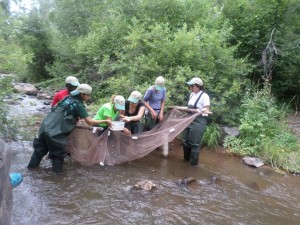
(252, 161)
(144, 185)
(188, 181)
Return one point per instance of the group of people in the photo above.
(68, 107)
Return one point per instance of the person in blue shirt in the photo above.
(154, 101)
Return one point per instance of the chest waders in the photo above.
(53, 134)
(192, 136)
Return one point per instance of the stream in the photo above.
(100, 195)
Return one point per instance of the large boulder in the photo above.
(228, 131)
(253, 161)
(26, 88)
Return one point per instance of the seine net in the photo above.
(114, 147)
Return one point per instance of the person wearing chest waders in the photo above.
(192, 135)
(134, 112)
(71, 84)
(57, 126)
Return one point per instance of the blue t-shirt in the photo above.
(154, 98)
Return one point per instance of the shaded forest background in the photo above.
(246, 51)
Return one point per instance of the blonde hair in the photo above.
(112, 98)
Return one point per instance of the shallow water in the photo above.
(101, 195)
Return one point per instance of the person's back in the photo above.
(63, 118)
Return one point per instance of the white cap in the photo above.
(135, 97)
(72, 80)
(195, 80)
(159, 83)
(119, 102)
(82, 88)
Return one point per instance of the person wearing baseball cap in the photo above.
(71, 84)
(110, 111)
(134, 112)
(154, 101)
(57, 126)
(192, 135)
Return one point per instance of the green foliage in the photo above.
(12, 58)
(129, 43)
(178, 55)
(263, 131)
(212, 135)
(252, 23)
(7, 124)
(35, 41)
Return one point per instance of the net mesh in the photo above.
(5, 185)
(114, 147)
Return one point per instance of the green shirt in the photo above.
(107, 110)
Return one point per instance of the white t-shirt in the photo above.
(203, 101)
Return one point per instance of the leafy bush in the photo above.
(263, 131)
(212, 135)
(7, 124)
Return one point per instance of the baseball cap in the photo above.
(119, 102)
(135, 96)
(159, 83)
(195, 80)
(72, 80)
(82, 88)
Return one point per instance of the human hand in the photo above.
(126, 119)
(154, 115)
(161, 117)
(109, 123)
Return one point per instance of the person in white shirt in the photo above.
(192, 135)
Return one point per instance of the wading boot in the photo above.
(194, 158)
(34, 161)
(186, 153)
(57, 165)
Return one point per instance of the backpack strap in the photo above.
(196, 102)
(65, 103)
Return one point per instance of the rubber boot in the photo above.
(57, 165)
(34, 161)
(194, 158)
(186, 153)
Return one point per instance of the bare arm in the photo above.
(92, 122)
(149, 108)
(137, 117)
(161, 113)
